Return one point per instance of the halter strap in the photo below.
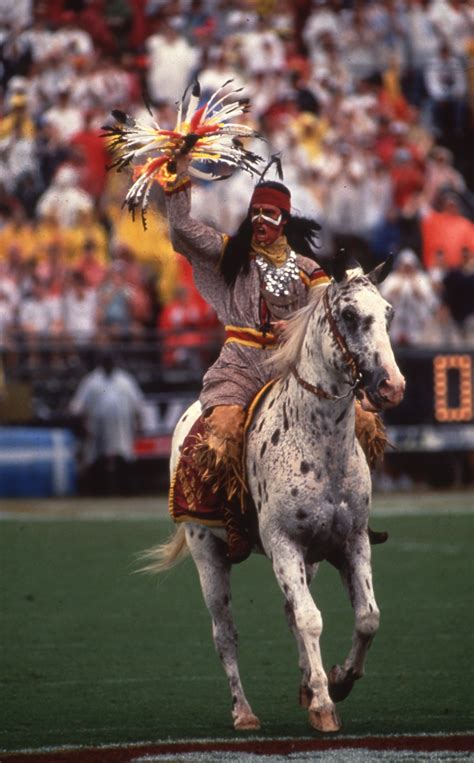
(347, 357)
(314, 389)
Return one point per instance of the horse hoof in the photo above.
(305, 696)
(247, 722)
(339, 683)
(326, 720)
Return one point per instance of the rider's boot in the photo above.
(224, 438)
(373, 440)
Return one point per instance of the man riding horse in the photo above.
(254, 280)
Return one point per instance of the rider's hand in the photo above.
(182, 164)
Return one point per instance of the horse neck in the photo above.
(334, 418)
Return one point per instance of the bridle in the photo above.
(347, 357)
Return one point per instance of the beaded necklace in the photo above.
(277, 281)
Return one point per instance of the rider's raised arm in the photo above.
(193, 239)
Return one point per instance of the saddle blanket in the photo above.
(190, 499)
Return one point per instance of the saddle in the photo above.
(205, 502)
(192, 499)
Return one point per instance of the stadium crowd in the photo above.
(370, 105)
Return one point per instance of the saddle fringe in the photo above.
(166, 555)
(372, 436)
(222, 470)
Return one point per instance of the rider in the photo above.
(254, 280)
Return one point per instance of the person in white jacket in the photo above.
(111, 405)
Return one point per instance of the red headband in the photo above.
(266, 195)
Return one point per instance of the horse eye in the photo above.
(349, 316)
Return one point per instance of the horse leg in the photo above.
(304, 696)
(290, 573)
(209, 554)
(356, 574)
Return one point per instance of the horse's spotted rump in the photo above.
(263, 449)
(300, 514)
(294, 492)
(304, 467)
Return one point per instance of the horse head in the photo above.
(358, 320)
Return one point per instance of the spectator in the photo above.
(111, 405)
(407, 178)
(65, 116)
(115, 304)
(446, 231)
(80, 310)
(167, 83)
(442, 331)
(422, 45)
(445, 81)
(410, 292)
(39, 320)
(39, 313)
(441, 175)
(346, 211)
(185, 322)
(90, 265)
(63, 201)
(458, 286)
(90, 157)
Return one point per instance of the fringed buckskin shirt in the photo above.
(245, 309)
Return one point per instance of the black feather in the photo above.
(120, 116)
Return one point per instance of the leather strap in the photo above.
(315, 389)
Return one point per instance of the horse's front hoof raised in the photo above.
(326, 720)
(340, 683)
(246, 722)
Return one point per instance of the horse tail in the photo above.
(166, 555)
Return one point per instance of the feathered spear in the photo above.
(204, 132)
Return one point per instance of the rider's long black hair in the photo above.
(301, 234)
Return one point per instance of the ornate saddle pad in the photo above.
(191, 499)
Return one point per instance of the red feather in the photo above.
(196, 119)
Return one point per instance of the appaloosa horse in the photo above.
(310, 483)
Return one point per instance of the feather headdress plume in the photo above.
(202, 131)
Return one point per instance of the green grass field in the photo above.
(92, 653)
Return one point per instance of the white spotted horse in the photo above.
(310, 483)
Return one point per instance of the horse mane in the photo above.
(294, 332)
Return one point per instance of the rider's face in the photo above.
(267, 223)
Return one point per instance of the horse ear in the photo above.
(338, 268)
(379, 274)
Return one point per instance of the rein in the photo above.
(347, 357)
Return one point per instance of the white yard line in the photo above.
(149, 507)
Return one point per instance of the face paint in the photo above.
(267, 223)
(260, 216)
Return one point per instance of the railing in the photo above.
(48, 370)
(439, 394)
